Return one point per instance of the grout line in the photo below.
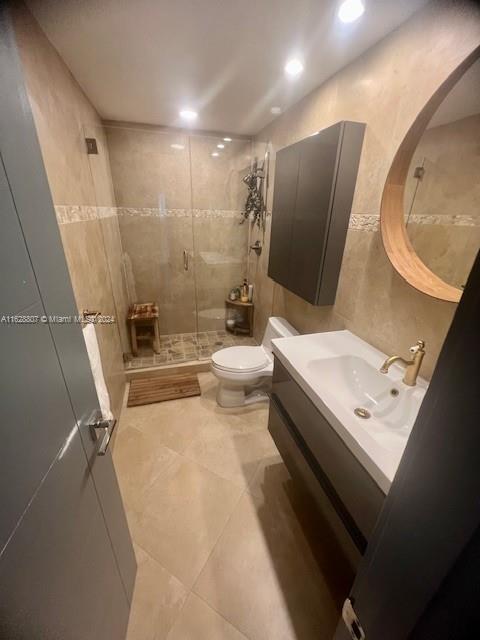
(243, 491)
(146, 435)
(187, 590)
(217, 540)
(243, 488)
(220, 614)
(160, 564)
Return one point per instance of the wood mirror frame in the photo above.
(397, 244)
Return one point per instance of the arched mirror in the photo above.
(430, 215)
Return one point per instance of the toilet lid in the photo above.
(240, 358)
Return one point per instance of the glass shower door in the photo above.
(219, 231)
(175, 234)
(152, 186)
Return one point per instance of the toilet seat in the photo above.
(241, 359)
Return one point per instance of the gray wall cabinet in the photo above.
(314, 186)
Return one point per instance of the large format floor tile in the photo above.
(198, 621)
(185, 511)
(227, 546)
(234, 457)
(139, 460)
(174, 424)
(262, 577)
(157, 601)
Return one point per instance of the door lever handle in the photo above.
(185, 259)
(101, 428)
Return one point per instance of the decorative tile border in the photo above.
(106, 212)
(74, 213)
(217, 213)
(358, 221)
(152, 212)
(83, 213)
(364, 222)
(67, 213)
(371, 222)
(460, 220)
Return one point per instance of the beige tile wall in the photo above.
(64, 117)
(386, 88)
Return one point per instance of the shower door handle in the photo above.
(185, 259)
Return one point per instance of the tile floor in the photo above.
(227, 547)
(182, 347)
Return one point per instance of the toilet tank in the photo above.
(277, 328)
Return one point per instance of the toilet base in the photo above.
(229, 395)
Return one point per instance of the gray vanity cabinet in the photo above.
(314, 185)
(316, 455)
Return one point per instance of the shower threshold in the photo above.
(176, 348)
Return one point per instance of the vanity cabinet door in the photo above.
(353, 493)
(304, 473)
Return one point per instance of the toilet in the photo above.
(244, 373)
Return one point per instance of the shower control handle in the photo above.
(185, 259)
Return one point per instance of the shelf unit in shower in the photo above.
(245, 310)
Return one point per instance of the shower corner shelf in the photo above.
(233, 308)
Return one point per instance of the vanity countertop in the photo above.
(339, 372)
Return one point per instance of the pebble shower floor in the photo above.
(183, 347)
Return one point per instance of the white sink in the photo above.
(340, 374)
(388, 403)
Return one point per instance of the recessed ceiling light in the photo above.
(220, 146)
(188, 114)
(276, 111)
(177, 146)
(294, 67)
(351, 10)
(227, 139)
(215, 154)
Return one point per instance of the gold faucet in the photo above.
(412, 367)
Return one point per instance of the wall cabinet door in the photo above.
(318, 158)
(313, 193)
(286, 176)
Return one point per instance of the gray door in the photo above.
(58, 574)
(67, 567)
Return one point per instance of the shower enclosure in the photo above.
(179, 200)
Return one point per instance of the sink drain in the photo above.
(362, 413)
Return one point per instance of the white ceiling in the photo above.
(462, 101)
(143, 60)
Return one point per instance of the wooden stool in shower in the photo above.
(143, 321)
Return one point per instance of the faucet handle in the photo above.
(420, 346)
